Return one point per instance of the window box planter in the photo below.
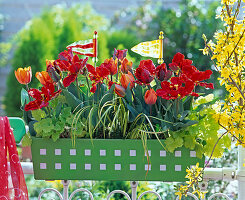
(112, 159)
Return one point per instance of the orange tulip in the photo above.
(126, 79)
(150, 97)
(44, 78)
(23, 75)
(120, 91)
(126, 65)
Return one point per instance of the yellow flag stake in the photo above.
(160, 60)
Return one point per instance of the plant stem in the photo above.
(98, 94)
(117, 69)
(27, 88)
(177, 106)
(78, 90)
(88, 83)
(49, 111)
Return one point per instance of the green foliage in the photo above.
(44, 36)
(203, 136)
(55, 125)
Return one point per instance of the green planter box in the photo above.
(112, 159)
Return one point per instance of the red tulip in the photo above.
(74, 69)
(23, 76)
(162, 73)
(120, 54)
(150, 97)
(179, 61)
(126, 65)
(145, 72)
(149, 65)
(42, 97)
(127, 79)
(97, 75)
(111, 65)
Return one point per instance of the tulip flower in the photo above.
(179, 61)
(120, 54)
(111, 65)
(54, 72)
(74, 69)
(120, 91)
(150, 97)
(126, 65)
(41, 98)
(23, 75)
(145, 72)
(44, 78)
(162, 73)
(127, 79)
(97, 75)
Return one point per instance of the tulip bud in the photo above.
(54, 73)
(44, 77)
(162, 73)
(23, 76)
(150, 97)
(120, 54)
(120, 91)
(127, 79)
(126, 65)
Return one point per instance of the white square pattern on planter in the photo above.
(102, 166)
(87, 152)
(177, 153)
(149, 153)
(42, 152)
(102, 152)
(87, 166)
(177, 168)
(73, 152)
(57, 152)
(162, 153)
(57, 165)
(132, 152)
(73, 166)
(117, 152)
(117, 167)
(162, 167)
(193, 154)
(43, 166)
(147, 167)
(132, 167)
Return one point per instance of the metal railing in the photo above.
(225, 174)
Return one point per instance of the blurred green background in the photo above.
(47, 34)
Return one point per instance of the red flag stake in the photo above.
(95, 48)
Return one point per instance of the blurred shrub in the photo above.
(44, 37)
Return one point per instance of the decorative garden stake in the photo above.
(152, 49)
